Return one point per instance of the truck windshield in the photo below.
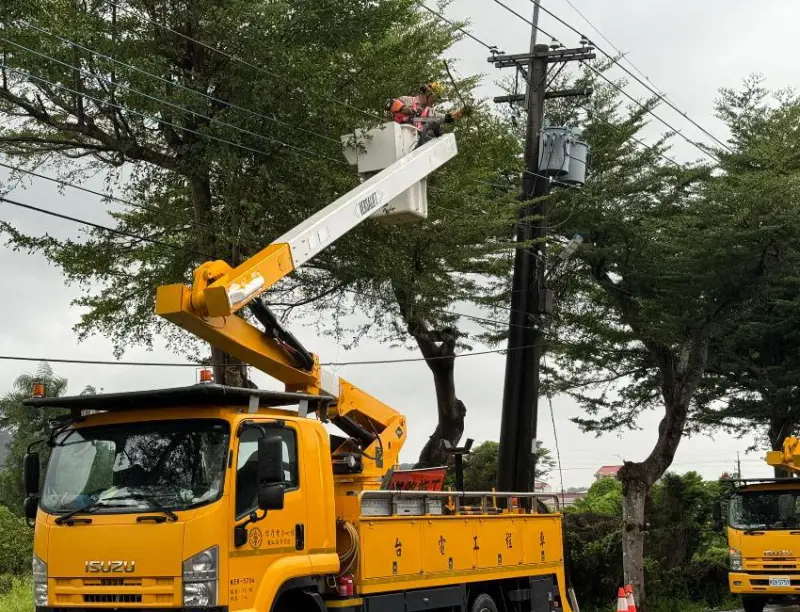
(137, 467)
(765, 510)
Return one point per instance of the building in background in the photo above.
(607, 471)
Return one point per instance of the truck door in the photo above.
(282, 532)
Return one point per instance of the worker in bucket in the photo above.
(420, 111)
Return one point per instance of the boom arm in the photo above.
(208, 308)
(787, 459)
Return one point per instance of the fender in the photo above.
(295, 571)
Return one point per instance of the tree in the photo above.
(753, 370)
(480, 466)
(410, 279)
(669, 263)
(25, 426)
(209, 180)
(604, 498)
(217, 156)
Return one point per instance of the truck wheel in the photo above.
(753, 603)
(484, 603)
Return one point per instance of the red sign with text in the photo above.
(426, 479)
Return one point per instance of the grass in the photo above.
(19, 598)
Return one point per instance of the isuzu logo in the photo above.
(110, 567)
(777, 553)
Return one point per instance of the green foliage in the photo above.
(16, 544)
(604, 498)
(685, 560)
(593, 545)
(755, 364)
(19, 597)
(227, 200)
(25, 425)
(480, 467)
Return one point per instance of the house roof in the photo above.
(608, 470)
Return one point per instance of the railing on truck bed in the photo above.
(419, 503)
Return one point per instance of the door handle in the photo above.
(299, 536)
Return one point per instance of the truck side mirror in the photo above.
(30, 508)
(716, 515)
(30, 474)
(270, 473)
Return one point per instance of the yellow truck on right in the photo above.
(763, 524)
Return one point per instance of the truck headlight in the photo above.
(200, 579)
(39, 582)
(735, 559)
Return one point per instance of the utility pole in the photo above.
(531, 300)
(518, 426)
(738, 466)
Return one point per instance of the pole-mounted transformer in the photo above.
(563, 155)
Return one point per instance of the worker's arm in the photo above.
(457, 114)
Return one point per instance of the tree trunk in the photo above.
(229, 370)
(635, 494)
(438, 348)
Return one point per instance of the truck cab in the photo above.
(763, 520)
(193, 498)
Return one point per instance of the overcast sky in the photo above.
(687, 49)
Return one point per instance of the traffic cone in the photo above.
(622, 601)
(630, 598)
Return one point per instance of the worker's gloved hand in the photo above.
(459, 114)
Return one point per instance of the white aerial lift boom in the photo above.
(208, 308)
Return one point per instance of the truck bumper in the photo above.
(743, 583)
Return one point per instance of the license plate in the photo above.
(780, 582)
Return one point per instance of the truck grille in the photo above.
(112, 598)
(98, 593)
(781, 564)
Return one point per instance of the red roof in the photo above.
(608, 470)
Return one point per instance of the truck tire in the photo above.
(483, 603)
(753, 603)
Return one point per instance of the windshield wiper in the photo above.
(92, 506)
(755, 531)
(156, 505)
(95, 505)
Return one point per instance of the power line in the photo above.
(491, 48)
(104, 228)
(698, 146)
(616, 49)
(105, 196)
(199, 364)
(186, 250)
(614, 60)
(243, 62)
(525, 19)
(610, 82)
(138, 237)
(177, 85)
(296, 149)
(651, 148)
